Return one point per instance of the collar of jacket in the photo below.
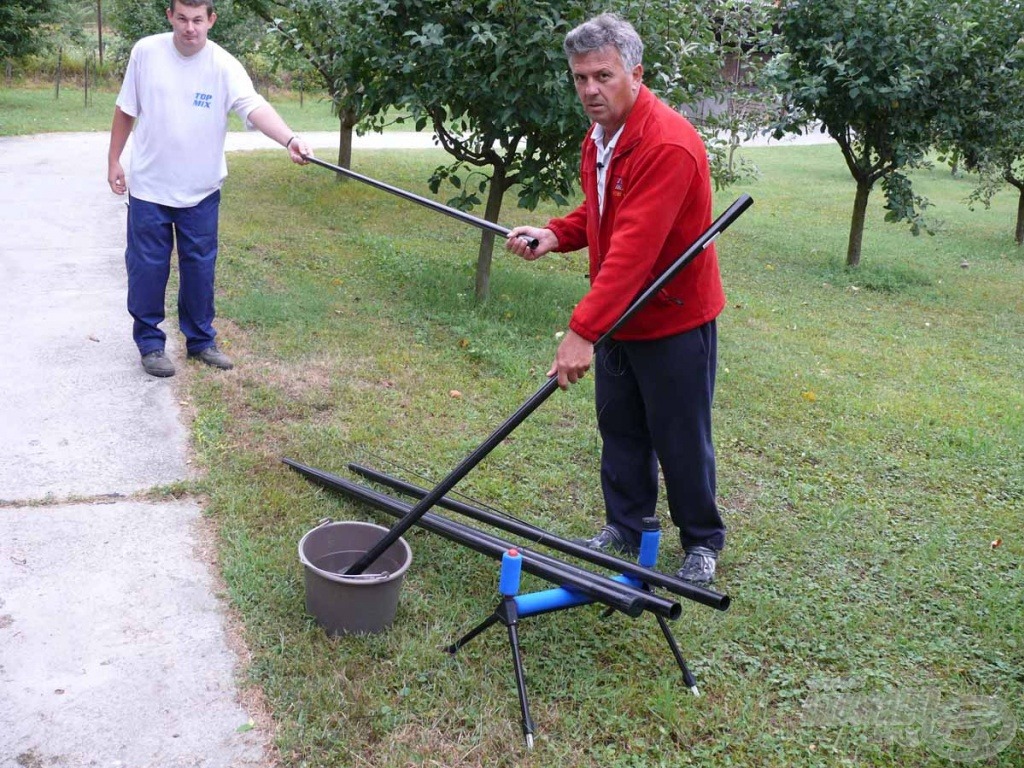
(635, 121)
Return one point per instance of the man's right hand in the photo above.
(519, 242)
(572, 360)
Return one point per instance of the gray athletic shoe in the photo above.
(609, 540)
(214, 358)
(698, 566)
(157, 364)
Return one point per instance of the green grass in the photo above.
(36, 109)
(869, 427)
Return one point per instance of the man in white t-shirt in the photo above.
(177, 93)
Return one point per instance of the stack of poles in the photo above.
(536, 535)
(618, 596)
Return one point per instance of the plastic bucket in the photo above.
(344, 605)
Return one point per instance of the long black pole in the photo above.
(546, 390)
(622, 597)
(539, 536)
(455, 213)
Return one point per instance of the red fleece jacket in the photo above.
(657, 203)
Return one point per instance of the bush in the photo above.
(42, 68)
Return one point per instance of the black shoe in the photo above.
(157, 364)
(609, 540)
(698, 566)
(213, 357)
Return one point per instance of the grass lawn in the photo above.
(869, 427)
(27, 110)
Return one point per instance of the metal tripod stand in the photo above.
(514, 607)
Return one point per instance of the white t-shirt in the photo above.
(181, 106)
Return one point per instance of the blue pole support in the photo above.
(650, 541)
(511, 571)
(558, 598)
(549, 600)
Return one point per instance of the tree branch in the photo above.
(458, 148)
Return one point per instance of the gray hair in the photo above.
(602, 31)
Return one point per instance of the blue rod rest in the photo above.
(557, 598)
(511, 570)
(650, 540)
(549, 600)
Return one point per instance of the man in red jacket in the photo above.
(644, 173)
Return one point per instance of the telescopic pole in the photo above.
(546, 390)
(536, 535)
(455, 213)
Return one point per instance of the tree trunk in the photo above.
(99, 30)
(347, 120)
(1019, 237)
(495, 193)
(860, 207)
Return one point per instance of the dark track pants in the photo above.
(654, 407)
(152, 232)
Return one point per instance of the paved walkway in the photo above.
(113, 644)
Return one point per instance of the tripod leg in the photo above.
(483, 625)
(524, 705)
(687, 675)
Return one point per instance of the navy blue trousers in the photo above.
(153, 230)
(654, 407)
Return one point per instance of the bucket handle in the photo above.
(354, 576)
(365, 576)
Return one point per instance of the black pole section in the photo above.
(622, 597)
(539, 536)
(718, 226)
(546, 390)
(463, 469)
(455, 213)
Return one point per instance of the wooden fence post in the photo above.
(60, 63)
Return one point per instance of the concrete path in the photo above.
(113, 643)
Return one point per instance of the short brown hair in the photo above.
(208, 4)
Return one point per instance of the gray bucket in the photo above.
(352, 605)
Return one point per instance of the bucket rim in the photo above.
(361, 579)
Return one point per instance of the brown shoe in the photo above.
(214, 358)
(157, 364)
